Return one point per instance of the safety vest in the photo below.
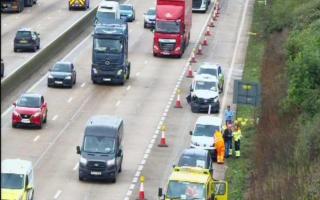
(237, 135)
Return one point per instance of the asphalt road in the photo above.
(48, 17)
(140, 103)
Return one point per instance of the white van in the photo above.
(107, 10)
(17, 179)
(202, 136)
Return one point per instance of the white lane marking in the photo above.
(57, 194)
(4, 24)
(70, 99)
(36, 138)
(129, 87)
(118, 103)
(137, 174)
(127, 198)
(234, 56)
(76, 166)
(152, 141)
(54, 117)
(150, 145)
(131, 187)
(138, 73)
(146, 156)
(83, 84)
(134, 180)
(129, 193)
(130, 30)
(140, 167)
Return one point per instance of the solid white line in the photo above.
(70, 99)
(127, 198)
(143, 162)
(150, 145)
(147, 151)
(57, 194)
(234, 56)
(83, 84)
(36, 138)
(118, 103)
(146, 156)
(129, 87)
(129, 193)
(76, 166)
(54, 117)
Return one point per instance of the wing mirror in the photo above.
(119, 153)
(190, 132)
(78, 150)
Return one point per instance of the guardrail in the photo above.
(9, 83)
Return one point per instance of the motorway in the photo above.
(48, 17)
(145, 102)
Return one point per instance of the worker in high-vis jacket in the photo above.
(219, 145)
(237, 136)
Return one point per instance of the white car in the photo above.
(213, 70)
(204, 94)
(202, 136)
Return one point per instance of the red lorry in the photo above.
(173, 25)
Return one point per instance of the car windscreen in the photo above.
(192, 161)
(125, 7)
(99, 144)
(206, 85)
(61, 67)
(23, 34)
(168, 27)
(104, 17)
(205, 130)
(113, 46)
(151, 12)
(29, 102)
(12, 181)
(186, 190)
(212, 72)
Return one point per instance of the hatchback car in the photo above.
(127, 12)
(26, 39)
(62, 74)
(196, 158)
(30, 109)
(150, 18)
(213, 70)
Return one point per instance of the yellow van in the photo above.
(193, 183)
(16, 180)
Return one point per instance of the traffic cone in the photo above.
(163, 138)
(214, 16)
(208, 31)
(189, 75)
(218, 8)
(211, 23)
(199, 50)
(205, 41)
(193, 57)
(141, 190)
(178, 102)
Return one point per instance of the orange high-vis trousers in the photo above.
(220, 147)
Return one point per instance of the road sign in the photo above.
(248, 93)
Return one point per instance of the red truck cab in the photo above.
(173, 25)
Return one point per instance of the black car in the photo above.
(26, 39)
(192, 157)
(62, 74)
(2, 68)
(127, 12)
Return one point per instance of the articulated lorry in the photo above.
(15, 5)
(172, 29)
(110, 53)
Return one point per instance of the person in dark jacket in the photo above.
(227, 136)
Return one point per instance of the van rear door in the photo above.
(221, 190)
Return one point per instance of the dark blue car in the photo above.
(127, 12)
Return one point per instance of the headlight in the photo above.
(95, 71)
(68, 77)
(83, 160)
(15, 113)
(50, 76)
(119, 72)
(111, 162)
(36, 114)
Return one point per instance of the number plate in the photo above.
(95, 173)
(107, 79)
(26, 121)
(23, 41)
(58, 82)
(166, 53)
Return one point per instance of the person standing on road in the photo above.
(228, 115)
(237, 136)
(227, 136)
(219, 145)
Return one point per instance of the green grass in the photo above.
(239, 169)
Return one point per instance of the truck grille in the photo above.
(96, 165)
(166, 46)
(196, 3)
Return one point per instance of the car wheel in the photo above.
(128, 74)
(80, 178)
(75, 79)
(120, 169)
(193, 109)
(114, 180)
(144, 25)
(45, 119)
(40, 126)
(14, 126)
(34, 49)
(15, 49)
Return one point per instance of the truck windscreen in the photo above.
(168, 27)
(113, 46)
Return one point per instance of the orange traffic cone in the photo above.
(205, 41)
(211, 24)
(193, 57)
(214, 16)
(208, 31)
(218, 8)
(189, 75)
(199, 50)
(163, 138)
(141, 190)
(178, 101)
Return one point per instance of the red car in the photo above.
(30, 109)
